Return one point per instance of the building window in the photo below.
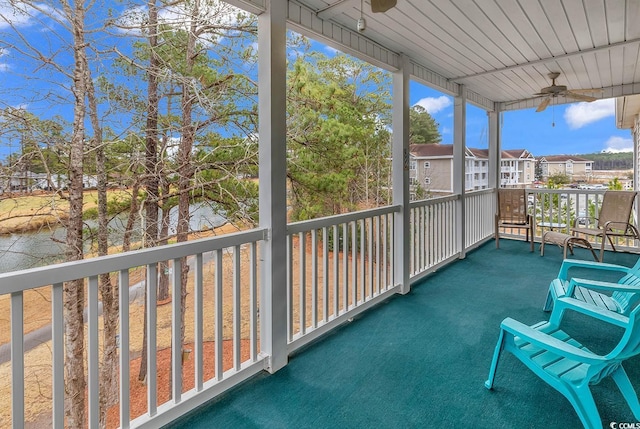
(427, 165)
(413, 180)
(427, 180)
(412, 165)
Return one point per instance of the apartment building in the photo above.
(517, 168)
(574, 167)
(431, 169)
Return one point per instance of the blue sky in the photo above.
(577, 128)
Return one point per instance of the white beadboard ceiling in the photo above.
(504, 49)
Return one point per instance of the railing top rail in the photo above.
(434, 201)
(67, 271)
(308, 225)
(481, 191)
(565, 191)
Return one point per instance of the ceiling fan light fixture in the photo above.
(380, 6)
(361, 25)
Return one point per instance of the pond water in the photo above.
(33, 249)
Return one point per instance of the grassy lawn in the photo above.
(31, 212)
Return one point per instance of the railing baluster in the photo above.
(345, 267)
(253, 301)
(290, 302)
(57, 345)
(314, 278)
(302, 291)
(370, 255)
(336, 272)
(361, 249)
(354, 264)
(392, 241)
(217, 260)
(152, 323)
(378, 244)
(198, 316)
(93, 356)
(325, 274)
(385, 234)
(123, 297)
(17, 359)
(176, 332)
(237, 309)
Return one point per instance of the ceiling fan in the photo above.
(382, 5)
(555, 90)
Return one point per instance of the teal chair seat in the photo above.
(619, 297)
(568, 366)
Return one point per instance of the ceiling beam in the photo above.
(334, 9)
(550, 59)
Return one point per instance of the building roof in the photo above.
(516, 154)
(431, 150)
(479, 153)
(446, 150)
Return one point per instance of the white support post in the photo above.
(272, 68)
(495, 142)
(400, 174)
(459, 160)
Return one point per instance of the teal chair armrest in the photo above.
(567, 264)
(565, 303)
(601, 286)
(548, 342)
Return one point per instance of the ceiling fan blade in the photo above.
(587, 91)
(580, 97)
(543, 105)
(382, 5)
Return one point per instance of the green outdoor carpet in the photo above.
(420, 360)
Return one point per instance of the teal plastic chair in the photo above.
(568, 366)
(609, 298)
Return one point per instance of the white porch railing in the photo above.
(558, 209)
(230, 323)
(479, 216)
(433, 233)
(337, 267)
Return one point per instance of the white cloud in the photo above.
(434, 105)
(618, 144)
(331, 51)
(445, 130)
(11, 15)
(580, 114)
(26, 14)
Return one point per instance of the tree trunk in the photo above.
(151, 160)
(133, 212)
(163, 276)
(75, 383)
(108, 290)
(185, 166)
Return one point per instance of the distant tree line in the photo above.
(611, 161)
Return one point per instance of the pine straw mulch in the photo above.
(138, 390)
